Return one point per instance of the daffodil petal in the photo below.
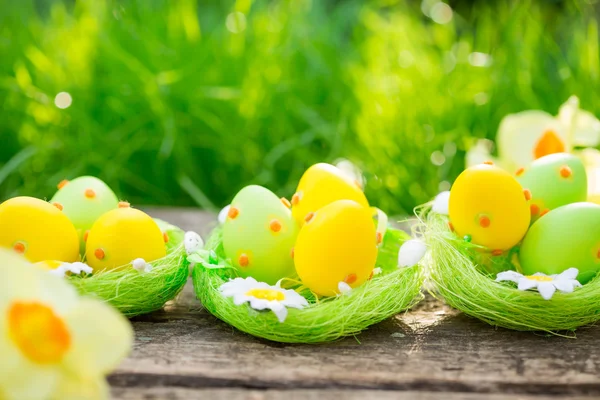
(71, 388)
(480, 152)
(101, 338)
(546, 289)
(585, 125)
(526, 284)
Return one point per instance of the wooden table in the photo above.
(430, 352)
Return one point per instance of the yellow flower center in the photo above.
(266, 294)
(39, 333)
(539, 278)
(549, 143)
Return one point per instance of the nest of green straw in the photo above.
(325, 319)
(464, 274)
(135, 293)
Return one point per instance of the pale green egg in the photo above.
(566, 237)
(553, 181)
(259, 235)
(84, 200)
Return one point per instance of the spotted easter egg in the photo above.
(553, 181)
(566, 237)
(122, 235)
(38, 230)
(489, 205)
(84, 200)
(259, 235)
(338, 244)
(320, 185)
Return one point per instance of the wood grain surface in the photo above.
(430, 352)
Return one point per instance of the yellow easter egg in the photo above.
(120, 236)
(38, 230)
(338, 244)
(488, 204)
(320, 185)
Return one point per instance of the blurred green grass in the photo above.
(184, 103)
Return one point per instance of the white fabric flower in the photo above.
(141, 265)
(411, 252)
(75, 268)
(344, 288)
(54, 344)
(564, 282)
(262, 296)
(222, 217)
(192, 242)
(441, 203)
(377, 271)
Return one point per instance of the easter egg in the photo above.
(338, 244)
(488, 204)
(84, 200)
(122, 235)
(568, 236)
(320, 185)
(553, 181)
(259, 235)
(38, 230)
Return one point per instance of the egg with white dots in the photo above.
(259, 235)
(337, 244)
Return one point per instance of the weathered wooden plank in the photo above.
(429, 350)
(241, 394)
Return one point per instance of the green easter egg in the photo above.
(554, 180)
(259, 235)
(84, 200)
(566, 237)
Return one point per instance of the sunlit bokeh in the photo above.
(63, 100)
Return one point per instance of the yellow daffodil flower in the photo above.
(54, 344)
(529, 135)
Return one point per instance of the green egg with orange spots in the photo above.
(566, 237)
(553, 181)
(259, 235)
(84, 200)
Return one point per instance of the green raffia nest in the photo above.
(464, 274)
(325, 319)
(134, 293)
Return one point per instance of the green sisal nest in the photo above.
(134, 293)
(325, 319)
(464, 274)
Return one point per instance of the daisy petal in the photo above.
(509, 276)
(546, 289)
(440, 204)
(526, 284)
(565, 286)
(411, 252)
(570, 273)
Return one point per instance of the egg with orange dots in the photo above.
(122, 235)
(490, 206)
(84, 200)
(259, 235)
(338, 243)
(38, 230)
(321, 185)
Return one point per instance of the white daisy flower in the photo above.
(141, 265)
(75, 268)
(377, 271)
(441, 203)
(192, 242)
(545, 284)
(411, 252)
(262, 296)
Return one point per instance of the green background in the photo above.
(185, 102)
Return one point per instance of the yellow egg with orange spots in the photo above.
(323, 184)
(488, 204)
(120, 236)
(38, 230)
(338, 244)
